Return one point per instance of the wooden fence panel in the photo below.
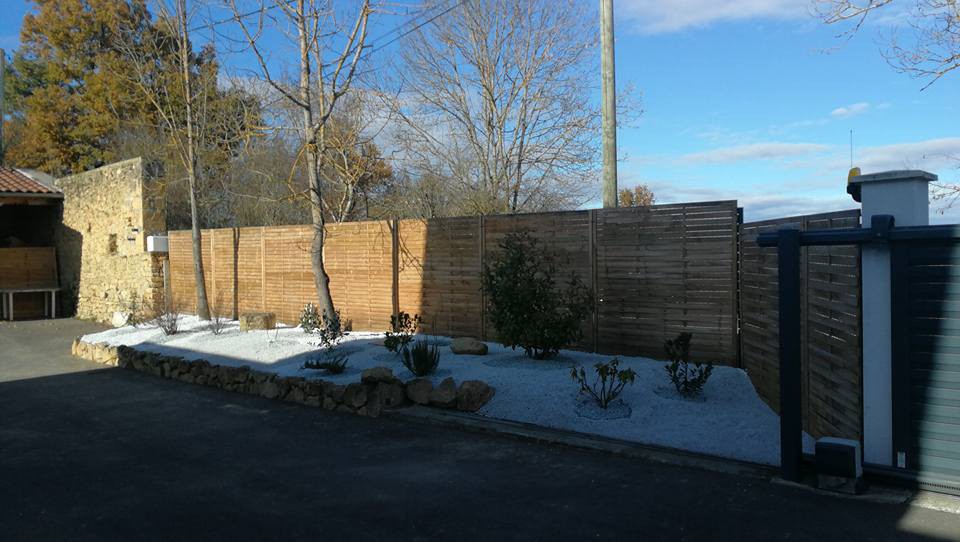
(359, 260)
(666, 269)
(439, 274)
(566, 236)
(831, 361)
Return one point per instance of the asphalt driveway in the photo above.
(93, 453)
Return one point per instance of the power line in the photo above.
(375, 48)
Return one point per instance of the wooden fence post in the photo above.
(263, 269)
(395, 264)
(213, 269)
(482, 241)
(594, 282)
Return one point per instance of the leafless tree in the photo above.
(328, 55)
(353, 165)
(178, 102)
(497, 101)
(934, 50)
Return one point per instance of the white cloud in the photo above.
(934, 155)
(659, 16)
(753, 151)
(850, 110)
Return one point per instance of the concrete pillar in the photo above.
(904, 195)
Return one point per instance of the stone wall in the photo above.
(377, 390)
(102, 240)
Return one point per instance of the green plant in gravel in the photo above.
(331, 330)
(402, 329)
(607, 385)
(330, 363)
(688, 380)
(527, 307)
(310, 319)
(422, 358)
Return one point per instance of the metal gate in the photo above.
(925, 318)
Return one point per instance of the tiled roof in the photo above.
(16, 182)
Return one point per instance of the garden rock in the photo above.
(390, 394)
(468, 346)
(418, 390)
(269, 390)
(257, 320)
(473, 394)
(377, 375)
(120, 319)
(444, 395)
(355, 395)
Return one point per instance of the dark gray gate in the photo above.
(925, 309)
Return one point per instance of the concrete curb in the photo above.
(583, 441)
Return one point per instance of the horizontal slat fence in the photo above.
(665, 269)
(655, 271)
(831, 361)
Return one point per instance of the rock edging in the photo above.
(377, 390)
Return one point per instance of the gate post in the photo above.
(904, 195)
(791, 424)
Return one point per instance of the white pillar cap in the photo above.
(895, 175)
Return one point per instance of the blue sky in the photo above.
(754, 100)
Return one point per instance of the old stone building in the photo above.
(102, 240)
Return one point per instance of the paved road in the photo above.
(88, 453)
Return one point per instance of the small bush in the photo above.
(331, 332)
(526, 306)
(329, 362)
(688, 380)
(607, 385)
(217, 321)
(310, 320)
(403, 328)
(422, 359)
(168, 318)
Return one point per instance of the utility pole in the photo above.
(3, 109)
(608, 105)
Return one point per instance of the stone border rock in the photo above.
(377, 390)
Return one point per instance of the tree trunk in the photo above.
(203, 307)
(320, 278)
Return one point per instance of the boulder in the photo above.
(355, 395)
(257, 320)
(269, 390)
(120, 319)
(444, 395)
(473, 394)
(377, 375)
(468, 346)
(390, 394)
(418, 390)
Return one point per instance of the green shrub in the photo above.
(329, 362)
(422, 359)
(607, 385)
(310, 319)
(526, 306)
(331, 331)
(689, 381)
(403, 328)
